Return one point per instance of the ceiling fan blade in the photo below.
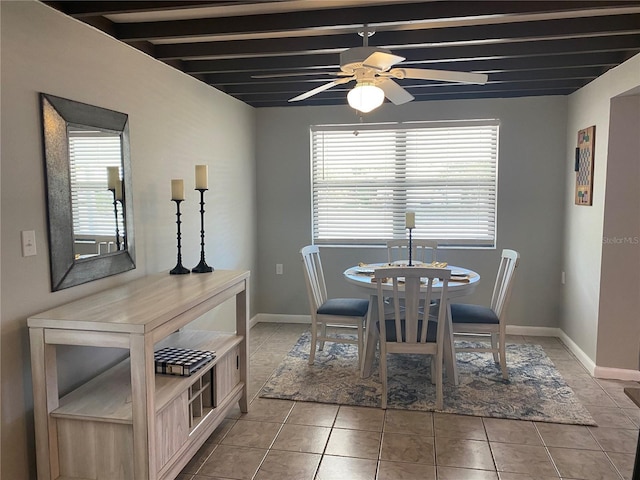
(394, 92)
(321, 88)
(444, 75)
(382, 61)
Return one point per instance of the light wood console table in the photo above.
(128, 422)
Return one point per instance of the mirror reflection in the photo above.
(89, 195)
(95, 162)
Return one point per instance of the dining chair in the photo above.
(335, 313)
(422, 250)
(412, 329)
(491, 320)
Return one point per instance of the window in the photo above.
(90, 153)
(365, 177)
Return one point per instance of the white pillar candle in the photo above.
(410, 220)
(202, 177)
(113, 177)
(177, 189)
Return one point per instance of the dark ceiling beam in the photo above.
(598, 59)
(85, 8)
(400, 40)
(346, 17)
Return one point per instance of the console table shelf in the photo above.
(129, 422)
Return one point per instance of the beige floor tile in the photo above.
(346, 468)
(398, 447)
(199, 458)
(459, 426)
(354, 443)
(511, 431)
(581, 380)
(529, 459)
(569, 366)
(318, 414)
(583, 464)
(593, 396)
(221, 430)
(247, 433)
(545, 342)
(575, 436)
(623, 463)
(360, 418)
(612, 417)
(616, 439)
(451, 473)
(522, 476)
(280, 465)
(268, 410)
(230, 461)
(633, 414)
(462, 453)
(403, 421)
(302, 438)
(405, 471)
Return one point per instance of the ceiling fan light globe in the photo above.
(365, 97)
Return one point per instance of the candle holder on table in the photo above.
(179, 269)
(410, 248)
(202, 267)
(115, 212)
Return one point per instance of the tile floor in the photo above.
(285, 440)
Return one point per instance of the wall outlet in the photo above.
(563, 278)
(28, 243)
(279, 269)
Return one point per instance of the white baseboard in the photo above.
(533, 331)
(617, 374)
(279, 318)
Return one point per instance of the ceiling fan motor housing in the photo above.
(351, 59)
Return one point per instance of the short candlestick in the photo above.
(202, 267)
(179, 269)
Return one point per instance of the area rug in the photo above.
(535, 390)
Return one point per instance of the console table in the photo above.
(128, 422)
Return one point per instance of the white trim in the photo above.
(582, 357)
(617, 374)
(280, 318)
(533, 331)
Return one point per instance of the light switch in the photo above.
(28, 243)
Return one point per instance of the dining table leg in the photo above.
(370, 338)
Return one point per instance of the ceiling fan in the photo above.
(371, 68)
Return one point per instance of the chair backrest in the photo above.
(314, 276)
(411, 315)
(504, 281)
(423, 250)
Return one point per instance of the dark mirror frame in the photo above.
(57, 114)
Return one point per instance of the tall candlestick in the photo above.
(410, 220)
(179, 269)
(202, 267)
(113, 177)
(202, 177)
(119, 190)
(177, 189)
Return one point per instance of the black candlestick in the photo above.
(179, 269)
(115, 212)
(410, 248)
(202, 267)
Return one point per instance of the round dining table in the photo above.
(464, 282)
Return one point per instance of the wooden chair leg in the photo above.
(503, 358)
(439, 380)
(314, 336)
(383, 374)
(494, 346)
(323, 334)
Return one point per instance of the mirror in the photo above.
(89, 195)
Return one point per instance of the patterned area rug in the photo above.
(535, 389)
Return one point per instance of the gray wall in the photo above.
(175, 123)
(583, 246)
(530, 199)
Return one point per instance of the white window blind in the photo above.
(90, 153)
(365, 177)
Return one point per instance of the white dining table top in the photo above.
(361, 275)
